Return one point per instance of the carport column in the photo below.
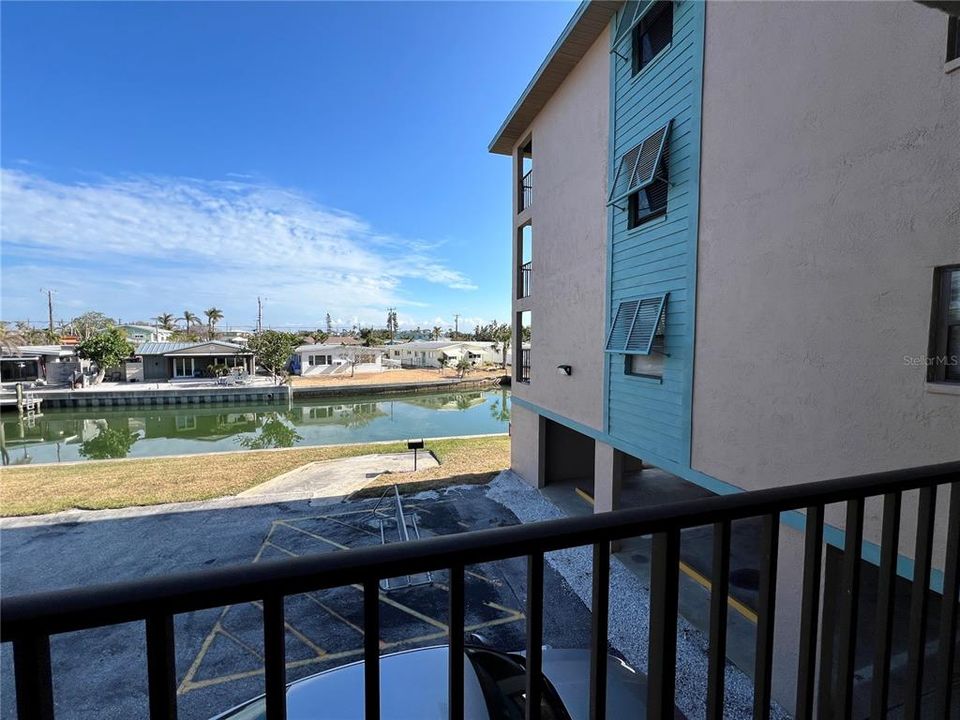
(608, 465)
(528, 445)
(607, 477)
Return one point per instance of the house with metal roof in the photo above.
(176, 361)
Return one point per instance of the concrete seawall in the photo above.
(69, 399)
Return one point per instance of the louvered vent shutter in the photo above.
(621, 183)
(645, 325)
(620, 330)
(651, 155)
(627, 19)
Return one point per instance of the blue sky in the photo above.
(330, 157)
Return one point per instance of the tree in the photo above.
(495, 332)
(214, 315)
(274, 350)
(443, 360)
(189, 319)
(463, 365)
(109, 443)
(106, 349)
(392, 324)
(165, 321)
(89, 324)
(273, 433)
(437, 332)
(329, 321)
(10, 339)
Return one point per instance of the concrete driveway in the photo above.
(101, 673)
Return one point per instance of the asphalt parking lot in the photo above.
(101, 673)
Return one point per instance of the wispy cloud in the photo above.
(183, 241)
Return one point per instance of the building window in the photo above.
(943, 363)
(652, 34)
(642, 179)
(953, 38)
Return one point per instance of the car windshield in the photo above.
(503, 679)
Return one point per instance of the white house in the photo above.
(328, 359)
(428, 353)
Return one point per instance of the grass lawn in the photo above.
(151, 481)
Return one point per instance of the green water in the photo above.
(101, 433)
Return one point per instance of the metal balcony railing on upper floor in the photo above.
(524, 375)
(29, 621)
(526, 191)
(526, 275)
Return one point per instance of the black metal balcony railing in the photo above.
(524, 375)
(526, 274)
(526, 190)
(29, 621)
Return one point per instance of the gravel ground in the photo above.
(629, 610)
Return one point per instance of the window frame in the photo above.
(641, 26)
(940, 326)
(953, 39)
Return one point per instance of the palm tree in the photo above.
(165, 321)
(436, 332)
(214, 315)
(188, 318)
(10, 340)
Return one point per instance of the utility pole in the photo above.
(456, 323)
(49, 308)
(259, 314)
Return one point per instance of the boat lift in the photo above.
(404, 526)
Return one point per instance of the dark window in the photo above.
(943, 363)
(643, 178)
(651, 201)
(953, 38)
(652, 34)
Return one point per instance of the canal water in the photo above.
(103, 433)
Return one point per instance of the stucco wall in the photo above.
(569, 242)
(830, 190)
(525, 445)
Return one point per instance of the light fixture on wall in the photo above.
(564, 370)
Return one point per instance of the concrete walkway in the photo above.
(329, 481)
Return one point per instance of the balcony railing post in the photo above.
(766, 611)
(534, 682)
(664, 592)
(600, 609)
(32, 678)
(847, 645)
(919, 602)
(274, 657)
(371, 649)
(161, 668)
(455, 629)
(810, 612)
(946, 655)
(719, 591)
(889, 550)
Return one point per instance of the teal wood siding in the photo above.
(646, 417)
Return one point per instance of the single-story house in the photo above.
(138, 334)
(55, 364)
(327, 359)
(428, 353)
(173, 361)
